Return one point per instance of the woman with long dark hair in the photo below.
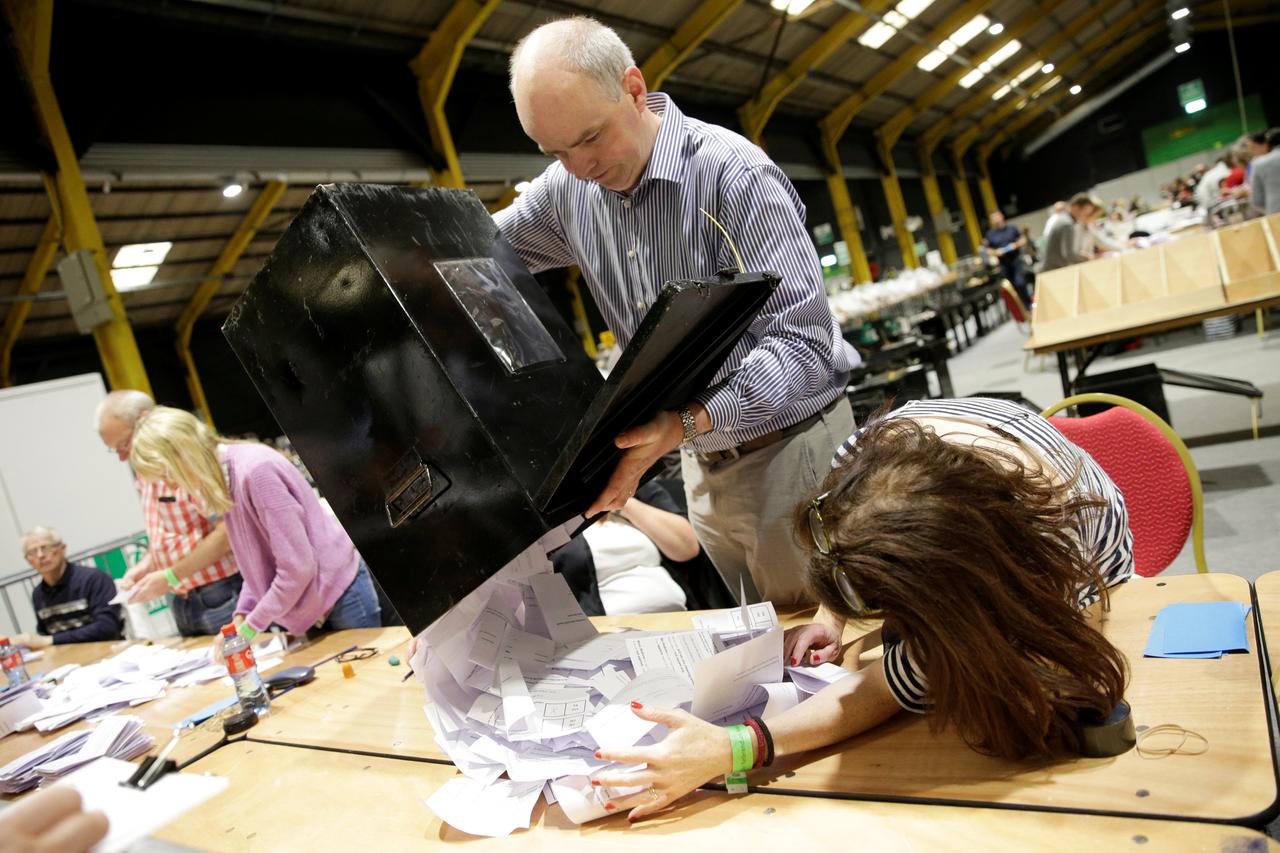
(980, 535)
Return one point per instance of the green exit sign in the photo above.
(1191, 96)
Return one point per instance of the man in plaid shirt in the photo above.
(189, 553)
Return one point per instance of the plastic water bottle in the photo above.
(243, 669)
(11, 659)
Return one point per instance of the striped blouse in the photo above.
(792, 361)
(1104, 533)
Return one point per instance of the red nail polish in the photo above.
(817, 658)
(595, 782)
(631, 819)
(609, 807)
(636, 705)
(598, 755)
(794, 661)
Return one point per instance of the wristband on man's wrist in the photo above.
(247, 631)
(172, 578)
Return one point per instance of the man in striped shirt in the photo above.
(624, 202)
(189, 554)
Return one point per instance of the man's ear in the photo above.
(634, 86)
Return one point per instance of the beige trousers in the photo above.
(742, 508)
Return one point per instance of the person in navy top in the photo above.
(72, 602)
(1006, 242)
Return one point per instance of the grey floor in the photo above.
(1241, 476)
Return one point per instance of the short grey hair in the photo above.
(126, 406)
(41, 531)
(583, 45)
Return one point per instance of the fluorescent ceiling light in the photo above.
(1022, 105)
(896, 19)
(1006, 50)
(1047, 86)
(876, 35)
(912, 8)
(996, 29)
(1047, 68)
(1195, 106)
(1179, 14)
(232, 190)
(141, 255)
(131, 278)
(1027, 72)
(1000, 93)
(829, 260)
(1076, 89)
(791, 7)
(931, 60)
(969, 30)
(1182, 48)
(972, 77)
(522, 186)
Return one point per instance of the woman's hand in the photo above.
(816, 642)
(149, 587)
(217, 638)
(693, 752)
(53, 819)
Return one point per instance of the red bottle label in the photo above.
(13, 661)
(240, 661)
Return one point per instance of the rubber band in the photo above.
(1171, 729)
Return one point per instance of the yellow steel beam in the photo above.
(574, 286)
(754, 114)
(846, 216)
(891, 131)
(960, 181)
(225, 262)
(1036, 108)
(1098, 42)
(985, 187)
(700, 24)
(933, 198)
(836, 122)
(30, 22)
(32, 281)
(897, 207)
(434, 66)
(503, 201)
(983, 96)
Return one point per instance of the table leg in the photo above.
(1064, 372)
(944, 375)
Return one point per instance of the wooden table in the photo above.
(290, 798)
(1077, 346)
(1266, 593)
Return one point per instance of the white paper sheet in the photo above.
(495, 810)
(566, 623)
(661, 688)
(782, 697)
(725, 684)
(133, 813)
(678, 652)
(609, 681)
(617, 727)
(811, 679)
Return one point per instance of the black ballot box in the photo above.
(446, 411)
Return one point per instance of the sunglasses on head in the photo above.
(857, 605)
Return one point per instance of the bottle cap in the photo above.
(240, 721)
(229, 630)
(4, 641)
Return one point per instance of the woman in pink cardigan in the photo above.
(300, 569)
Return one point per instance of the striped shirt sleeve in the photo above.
(794, 353)
(905, 677)
(529, 223)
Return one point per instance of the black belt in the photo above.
(711, 457)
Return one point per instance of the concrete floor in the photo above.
(1241, 477)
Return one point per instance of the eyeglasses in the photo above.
(822, 544)
(356, 654)
(42, 549)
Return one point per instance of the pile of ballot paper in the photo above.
(117, 736)
(519, 683)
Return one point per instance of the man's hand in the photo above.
(32, 641)
(644, 445)
(51, 820)
(152, 586)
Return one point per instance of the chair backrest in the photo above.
(1013, 302)
(1153, 470)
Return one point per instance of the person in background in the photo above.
(188, 554)
(1209, 189)
(1005, 241)
(51, 821)
(300, 569)
(984, 540)
(1264, 181)
(1057, 214)
(1063, 247)
(72, 602)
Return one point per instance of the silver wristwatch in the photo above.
(690, 427)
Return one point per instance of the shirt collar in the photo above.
(62, 581)
(668, 160)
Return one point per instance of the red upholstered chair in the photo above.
(1153, 470)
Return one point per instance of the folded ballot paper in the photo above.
(120, 737)
(522, 690)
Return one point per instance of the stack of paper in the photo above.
(520, 684)
(16, 705)
(1199, 630)
(119, 737)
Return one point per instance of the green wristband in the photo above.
(246, 630)
(174, 581)
(742, 742)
